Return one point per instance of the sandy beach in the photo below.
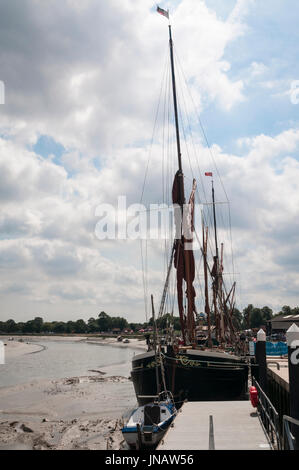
(16, 348)
(81, 412)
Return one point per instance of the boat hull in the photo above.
(193, 375)
(148, 424)
(147, 441)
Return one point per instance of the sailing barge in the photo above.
(212, 371)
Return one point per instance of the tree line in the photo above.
(254, 317)
(103, 323)
(250, 317)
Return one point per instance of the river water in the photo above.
(32, 389)
(60, 359)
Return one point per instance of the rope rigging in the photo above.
(192, 151)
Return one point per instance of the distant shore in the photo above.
(134, 342)
(15, 346)
(69, 413)
(23, 344)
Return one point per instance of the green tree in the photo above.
(164, 321)
(286, 310)
(237, 318)
(118, 322)
(80, 326)
(28, 327)
(37, 325)
(93, 325)
(11, 326)
(104, 322)
(70, 327)
(47, 327)
(267, 313)
(20, 327)
(247, 312)
(176, 323)
(256, 318)
(132, 326)
(59, 327)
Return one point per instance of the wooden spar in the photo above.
(214, 216)
(232, 291)
(155, 345)
(221, 262)
(215, 310)
(220, 285)
(166, 283)
(231, 298)
(207, 306)
(223, 313)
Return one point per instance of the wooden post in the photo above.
(293, 355)
(260, 355)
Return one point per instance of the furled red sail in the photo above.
(179, 249)
(183, 256)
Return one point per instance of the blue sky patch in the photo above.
(46, 146)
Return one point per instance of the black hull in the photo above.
(195, 376)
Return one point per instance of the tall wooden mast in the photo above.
(207, 306)
(215, 270)
(177, 128)
(188, 324)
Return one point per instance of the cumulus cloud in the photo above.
(88, 76)
(85, 74)
(51, 239)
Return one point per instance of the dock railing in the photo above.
(289, 442)
(269, 417)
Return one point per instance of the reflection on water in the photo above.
(65, 359)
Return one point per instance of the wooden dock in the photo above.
(280, 375)
(225, 425)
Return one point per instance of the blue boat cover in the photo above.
(275, 349)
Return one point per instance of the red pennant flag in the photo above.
(209, 173)
(163, 12)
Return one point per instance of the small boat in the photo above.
(147, 424)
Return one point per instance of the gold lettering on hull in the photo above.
(179, 359)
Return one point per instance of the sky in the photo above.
(82, 81)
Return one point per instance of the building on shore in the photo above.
(282, 323)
